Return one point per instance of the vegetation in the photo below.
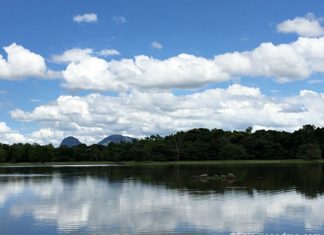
(194, 145)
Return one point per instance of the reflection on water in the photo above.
(160, 200)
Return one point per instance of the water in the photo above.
(162, 200)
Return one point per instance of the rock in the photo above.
(223, 178)
(215, 177)
(204, 176)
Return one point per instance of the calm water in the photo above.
(161, 200)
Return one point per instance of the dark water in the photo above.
(162, 200)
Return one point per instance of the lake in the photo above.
(104, 199)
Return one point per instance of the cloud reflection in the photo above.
(133, 207)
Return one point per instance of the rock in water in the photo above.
(230, 176)
(204, 176)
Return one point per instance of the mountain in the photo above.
(116, 139)
(70, 142)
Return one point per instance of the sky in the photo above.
(90, 69)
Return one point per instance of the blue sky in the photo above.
(181, 67)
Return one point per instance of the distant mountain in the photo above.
(70, 142)
(116, 139)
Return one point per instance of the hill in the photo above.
(116, 139)
(70, 141)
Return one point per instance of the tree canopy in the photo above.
(196, 144)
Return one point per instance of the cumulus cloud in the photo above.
(156, 45)
(86, 18)
(182, 71)
(21, 63)
(46, 135)
(119, 19)
(283, 63)
(9, 136)
(41, 136)
(91, 73)
(308, 26)
(79, 54)
(139, 114)
(4, 128)
(87, 69)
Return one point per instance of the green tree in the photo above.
(309, 151)
(3, 155)
(232, 151)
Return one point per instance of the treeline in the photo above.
(197, 144)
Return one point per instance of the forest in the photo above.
(194, 145)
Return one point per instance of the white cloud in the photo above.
(80, 54)
(91, 73)
(73, 55)
(4, 128)
(85, 69)
(87, 18)
(119, 19)
(46, 135)
(281, 62)
(182, 71)
(284, 63)
(94, 116)
(13, 137)
(308, 26)
(9, 136)
(21, 63)
(109, 52)
(156, 45)
(41, 136)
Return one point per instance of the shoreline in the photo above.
(156, 163)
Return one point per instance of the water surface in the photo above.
(162, 200)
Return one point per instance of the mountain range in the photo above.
(71, 141)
